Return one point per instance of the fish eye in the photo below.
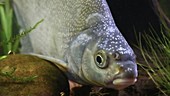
(100, 59)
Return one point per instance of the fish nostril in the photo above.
(116, 56)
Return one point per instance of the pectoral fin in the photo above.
(59, 63)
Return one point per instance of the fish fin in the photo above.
(61, 67)
(59, 63)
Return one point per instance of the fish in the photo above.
(81, 37)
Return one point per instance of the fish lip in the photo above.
(125, 82)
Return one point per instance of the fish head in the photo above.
(109, 61)
(101, 56)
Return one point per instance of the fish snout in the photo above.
(128, 70)
(126, 76)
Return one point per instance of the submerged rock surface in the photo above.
(25, 75)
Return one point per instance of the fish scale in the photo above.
(81, 37)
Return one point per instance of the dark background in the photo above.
(134, 16)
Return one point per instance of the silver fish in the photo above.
(81, 36)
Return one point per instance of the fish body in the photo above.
(81, 36)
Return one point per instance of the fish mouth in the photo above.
(126, 76)
(120, 83)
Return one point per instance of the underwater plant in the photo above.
(156, 55)
(8, 73)
(6, 15)
(9, 40)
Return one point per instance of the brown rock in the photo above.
(25, 75)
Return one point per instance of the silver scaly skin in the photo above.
(81, 36)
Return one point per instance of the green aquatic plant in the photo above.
(2, 57)
(156, 54)
(8, 40)
(9, 73)
(6, 15)
(15, 39)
